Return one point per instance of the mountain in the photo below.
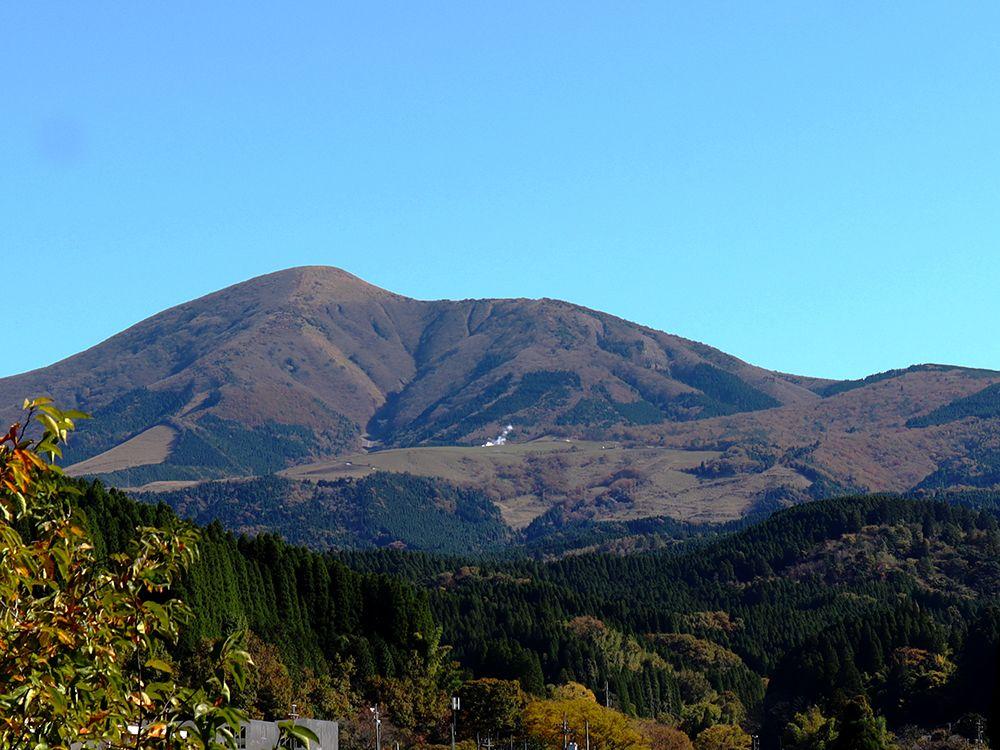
(314, 371)
(319, 348)
(327, 361)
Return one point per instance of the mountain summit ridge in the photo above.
(307, 363)
(291, 301)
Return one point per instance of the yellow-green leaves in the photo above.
(303, 734)
(83, 642)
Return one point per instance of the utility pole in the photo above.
(293, 714)
(456, 704)
(586, 729)
(378, 726)
(979, 732)
(755, 740)
(565, 733)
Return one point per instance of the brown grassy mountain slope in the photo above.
(306, 364)
(319, 349)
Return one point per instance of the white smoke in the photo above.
(500, 439)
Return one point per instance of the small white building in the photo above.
(263, 735)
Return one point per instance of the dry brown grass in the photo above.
(527, 479)
(149, 447)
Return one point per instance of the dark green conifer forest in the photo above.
(889, 600)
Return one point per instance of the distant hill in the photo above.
(382, 510)
(299, 367)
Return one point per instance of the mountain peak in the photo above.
(311, 283)
(336, 283)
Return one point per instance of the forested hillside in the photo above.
(312, 607)
(378, 510)
(867, 594)
(894, 599)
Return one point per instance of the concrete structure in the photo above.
(263, 735)
(259, 735)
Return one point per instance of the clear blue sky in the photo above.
(814, 187)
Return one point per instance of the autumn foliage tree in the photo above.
(860, 729)
(492, 708)
(418, 699)
(609, 729)
(723, 737)
(809, 730)
(663, 737)
(84, 642)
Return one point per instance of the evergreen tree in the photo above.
(860, 729)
